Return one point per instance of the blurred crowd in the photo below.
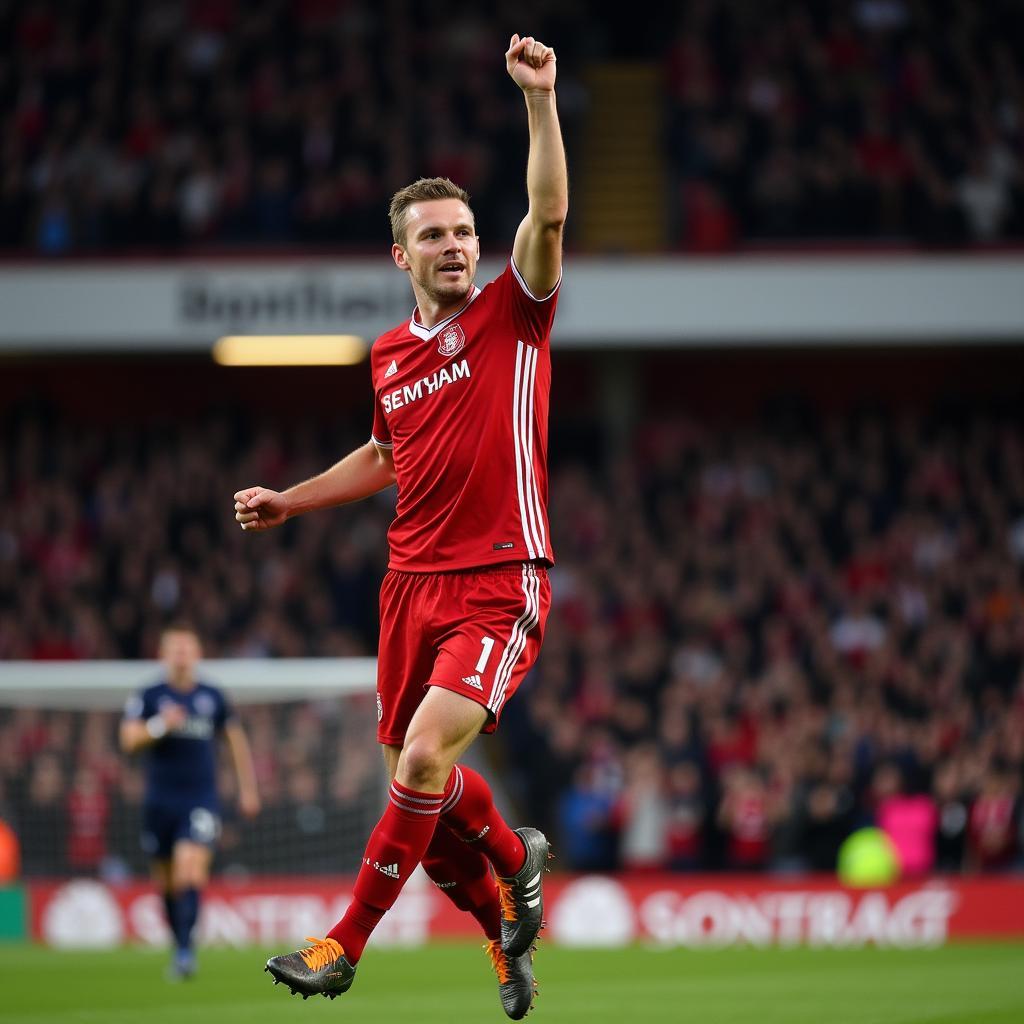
(184, 123)
(767, 636)
(179, 123)
(848, 119)
(763, 635)
(112, 532)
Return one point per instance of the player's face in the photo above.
(441, 249)
(180, 652)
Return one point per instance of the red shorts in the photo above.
(476, 632)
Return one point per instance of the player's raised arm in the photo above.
(365, 471)
(537, 251)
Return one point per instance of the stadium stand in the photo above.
(766, 630)
(878, 119)
(178, 125)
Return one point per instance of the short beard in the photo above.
(447, 294)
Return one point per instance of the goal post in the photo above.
(88, 685)
(75, 801)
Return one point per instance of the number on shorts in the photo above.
(487, 642)
(203, 825)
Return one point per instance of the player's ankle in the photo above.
(522, 859)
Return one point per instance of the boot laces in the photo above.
(498, 960)
(322, 953)
(506, 899)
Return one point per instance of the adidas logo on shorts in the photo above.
(474, 681)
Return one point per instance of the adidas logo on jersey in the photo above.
(392, 369)
(391, 870)
(474, 681)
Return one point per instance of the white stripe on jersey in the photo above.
(522, 433)
(517, 639)
(516, 389)
(538, 511)
(526, 432)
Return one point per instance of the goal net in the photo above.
(75, 801)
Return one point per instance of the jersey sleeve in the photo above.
(380, 435)
(531, 314)
(140, 706)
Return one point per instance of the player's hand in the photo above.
(259, 508)
(174, 716)
(249, 803)
(531, 64)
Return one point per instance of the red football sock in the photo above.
(396, 846)
(469, 811)
(463, 874)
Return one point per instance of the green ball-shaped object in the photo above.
(868, 858)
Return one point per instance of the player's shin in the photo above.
(396, 846)
(186, 913)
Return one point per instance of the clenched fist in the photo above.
(260, 508)
(531, 64)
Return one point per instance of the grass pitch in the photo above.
(452, 984)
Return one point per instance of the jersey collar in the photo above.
(425, 334)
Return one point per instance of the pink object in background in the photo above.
(910, 822)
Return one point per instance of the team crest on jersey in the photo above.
(204, 704)
(451, 340)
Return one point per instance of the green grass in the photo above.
(960, 984)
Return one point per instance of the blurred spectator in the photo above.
(641, 814)
(88, 811)
(686, 817)
(41, 818)
(992, 838)
(745, 815)
(953, 807)
(587, 817)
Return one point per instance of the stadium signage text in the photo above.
(174, 306)
(920, 918)
(306, 300)
(668, 911)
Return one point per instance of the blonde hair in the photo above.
(423, 190)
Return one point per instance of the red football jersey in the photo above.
(464, 408)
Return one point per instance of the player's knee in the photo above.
(424, 765)
(190, 869)
(189, 880)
